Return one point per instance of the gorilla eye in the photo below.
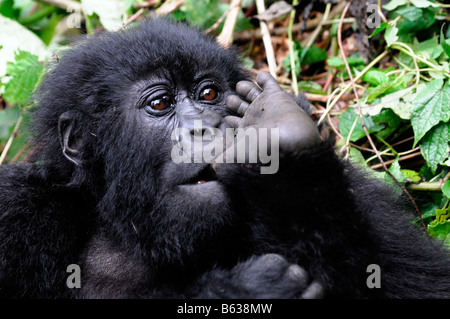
(208, 94)
(160, 104)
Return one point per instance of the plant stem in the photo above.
(349, 86)
(291, 49)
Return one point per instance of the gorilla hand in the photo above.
(266, 276)
(271, 107)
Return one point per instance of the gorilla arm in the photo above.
(322, 213)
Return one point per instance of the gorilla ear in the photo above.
(70, 137)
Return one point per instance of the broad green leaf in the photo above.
(346, 121)
(388, 120)
(423, 3)
(391, 35)
(446, 189)
(375, 77)
(313, 55)
(24, 73)
(399, 102)
(415, 19)
(394, 4)
(434, 145)
(430, 106)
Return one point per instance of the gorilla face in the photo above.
(192, 203)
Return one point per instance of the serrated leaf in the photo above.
(24, 73)
(434, 145)
(395, 170)
(430, 106)
(446, 189)
(391, 35)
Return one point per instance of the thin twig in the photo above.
(11, 139)
(401, 158)
(292, 56)
(270, 54)
(225, 38)
(339, 38)
(218, 22)
(132, 18)
(169, 7)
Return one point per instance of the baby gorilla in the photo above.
(103, 191)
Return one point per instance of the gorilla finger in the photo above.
(314, 291)
(298, 275)
(232, 121)
(248, 90)
(236, 104)
(267, 82)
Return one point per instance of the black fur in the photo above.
(119, 217)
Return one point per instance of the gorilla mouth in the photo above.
(207, 174)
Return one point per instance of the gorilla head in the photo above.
(112, 105)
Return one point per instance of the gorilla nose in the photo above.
(206, 120)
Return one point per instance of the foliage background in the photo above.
(376, 72)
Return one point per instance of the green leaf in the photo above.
(346, 121)
(375, 77)
(379, 29)
(391, 35)
(430, 106)
(313, 55)
(446, 189)
(339, 62)
(25, 73)
(442, 214)
(415, 19)
(434, 145)
(423, 3)
(439, 230)
(411, 176)
(395, 170)
(394, 4)
(311, 87)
